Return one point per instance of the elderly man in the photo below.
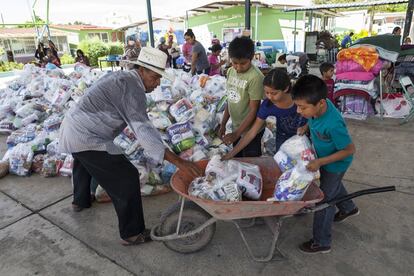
(88, 131)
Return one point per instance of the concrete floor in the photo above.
(40, 235)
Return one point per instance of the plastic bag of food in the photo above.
(298, 148)
(51, 166)
(182, 110)
(20, 159)
(160, 120)
(212, 189)
(37, 163)
(216, 168)
(101, 195)
(292, 184)
(284, 162)
(4, 168)
(181, 136)
(52, 123)
(53, 147)
(249, 179)
(67, 166)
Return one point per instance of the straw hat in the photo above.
(153, 59)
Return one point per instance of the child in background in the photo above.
(335, 151)
(279, 103)
(327, 71)
(244, 93)
(213, 59)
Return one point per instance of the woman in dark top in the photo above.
(52, 46)
(81, 58)
(40, 52)
(199, 60)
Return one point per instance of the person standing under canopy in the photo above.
(89, 128)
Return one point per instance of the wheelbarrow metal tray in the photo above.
(224, 210)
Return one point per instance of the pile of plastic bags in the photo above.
(186, 112)
(228, 181)
(292, 158)
(32, 108)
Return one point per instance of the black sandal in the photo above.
(141, 238)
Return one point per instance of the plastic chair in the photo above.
(408, 89)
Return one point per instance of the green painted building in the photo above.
(77, 33)
(269, 24)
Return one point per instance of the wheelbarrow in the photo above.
(189, 225)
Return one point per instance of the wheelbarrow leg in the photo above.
(180, 215)
(275, 230)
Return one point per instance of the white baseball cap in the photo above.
(154, 60)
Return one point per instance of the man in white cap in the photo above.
(88, 130)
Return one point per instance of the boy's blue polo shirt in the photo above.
(329, 135)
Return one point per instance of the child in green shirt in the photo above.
(244, 93)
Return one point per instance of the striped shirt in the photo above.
(115, 101)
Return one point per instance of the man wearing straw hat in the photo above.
(88, 130)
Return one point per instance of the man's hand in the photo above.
(230, 138)
(221, 131)
(302, 130)
(314, 165)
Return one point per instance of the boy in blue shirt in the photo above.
(335, 151)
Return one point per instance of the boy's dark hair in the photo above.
(325, 67)
(189, 33)
(309, 88)
(241, 48)
(277, 79)
(351, 33)
(216, 47)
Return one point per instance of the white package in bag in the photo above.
(249, 180)
(298, 148)
(292, 184)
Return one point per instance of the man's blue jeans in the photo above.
(332, 187)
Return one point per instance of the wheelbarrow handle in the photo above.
(333, 202)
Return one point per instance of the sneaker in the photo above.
(310, 247)
(341, 216)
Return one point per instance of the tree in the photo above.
(76, 22)
(382, 8)
(29, 24)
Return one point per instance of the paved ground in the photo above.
(40, 235)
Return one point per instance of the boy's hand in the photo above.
(314, 165)
(230, 138)
(302, 130)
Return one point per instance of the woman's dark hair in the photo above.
(79, 51)
(396, 29)
(215, 48)
(52, 44)
(189, 33)
(241, 47)
(277, 79)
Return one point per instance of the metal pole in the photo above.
(256, 27)
(294, 33)
(408, 19)
(186, 20)
(150, 27)
(47, 20)
(247, 15)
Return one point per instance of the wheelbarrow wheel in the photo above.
(193, 216)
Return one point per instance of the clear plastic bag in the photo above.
(284, 162)
(182, 110)
(181, 136)
(20, 159)
(292, 184)
(67, 167)
(249, 180)
(299, 148)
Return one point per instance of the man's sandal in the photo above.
(141, 238)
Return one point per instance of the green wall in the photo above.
(268, 21)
